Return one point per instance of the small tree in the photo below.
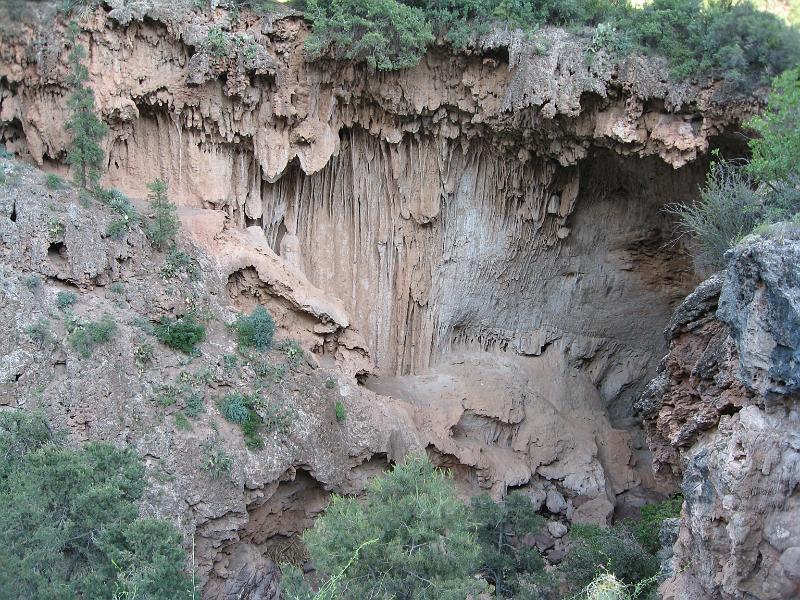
(85, 154)
(424, 546)
(500, 528)
(165, 224)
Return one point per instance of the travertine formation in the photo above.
(723, 417)
(479, 240)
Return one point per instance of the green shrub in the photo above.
(505, 561)
(216, 42)
(236, 407)
(167, 395)
(65, 300)
(729, 39)
(340, 411)
(181, 422)
(647, 528)
(39, 332)
(420, 542)
(85, 335)
(54, 182)
(182, 334)
(178, 263)
(776, 147)
(613, 550)
(386, 34)
(120, 203)
(32, 282)
(69, 520)
(278, 418)
(143, 356)
(85, 153)
(253, 415)
(738, 197)
(605, 586)
(728, 209)
(255, 330)
(293, 352)
(194, 404)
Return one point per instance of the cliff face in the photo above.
(482, 233)
(723, 418)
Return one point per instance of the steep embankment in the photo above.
(722, 418)
(483, 232)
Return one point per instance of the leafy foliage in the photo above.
(85, 153)
(386, 34)
(252, 413)
(69, 525)
(85, 335)
(182, 334)
(236, 407)
(776, 149)
(39, 332)
(54, 182)
(120, 203)
(255, 330)
(178, 263)
(734, 39)
(65, 300)
(612, 550)
(217, 463)
(424, 548)
(340, 411)
(728, 209)
(500, 526)
(646, 529)
(165, 224)
(740, 197)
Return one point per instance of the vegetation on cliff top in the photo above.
(742, 196)
(725, 38)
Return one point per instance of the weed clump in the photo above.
(181, 334)
(84, 336)
(255, 330)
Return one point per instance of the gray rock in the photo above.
(556, 529)
(555, 502)
(760, 302)
(696, 304)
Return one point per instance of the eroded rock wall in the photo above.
(484, 232)
(723, 418)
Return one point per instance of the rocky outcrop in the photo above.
(723, 417)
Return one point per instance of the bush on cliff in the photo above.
(613, 550)
(507, 563)
(386, 34)
(410, 538)
(165, 223)
(741, 196)
(255, 330)
(69, 524)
